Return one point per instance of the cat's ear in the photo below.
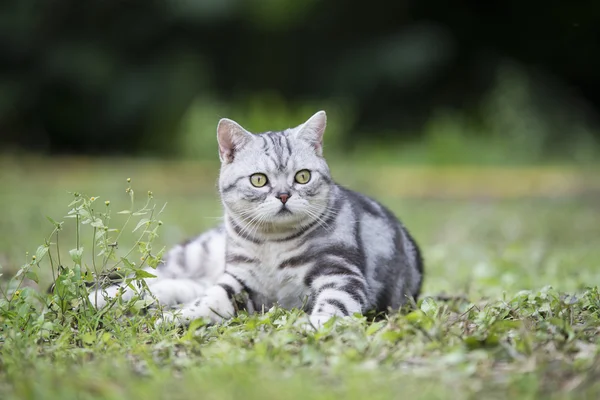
(312, 131)
(231, 137)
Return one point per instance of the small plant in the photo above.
(30, 313)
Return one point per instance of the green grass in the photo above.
(510, 306)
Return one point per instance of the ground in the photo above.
(510, 304)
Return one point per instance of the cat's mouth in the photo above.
(284, 211)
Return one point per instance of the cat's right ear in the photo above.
(231, 137)
(312, 131)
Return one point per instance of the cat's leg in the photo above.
(167, 292)
(187, 271)
(338, 289)
(179, 291)
(101, 297)
(220, 302)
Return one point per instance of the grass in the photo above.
(510, 306)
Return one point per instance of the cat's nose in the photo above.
(283, 196)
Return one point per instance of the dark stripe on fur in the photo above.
(327, 270)
(181, 257)
(246, 289)
(357, 289)
(348, 253)
(233, 185)
(333, 207)
(265, 145)
(238, 230)
(228, 289)
(419, 261)
(289, 146)
(338, 304)
(363, 201)
(238, 258)
(330, 285)
(204, 245)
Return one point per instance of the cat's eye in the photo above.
(258, 180)
(302, 176)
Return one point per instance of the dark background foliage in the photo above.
(118, 76)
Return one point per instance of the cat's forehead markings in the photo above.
(280, 147)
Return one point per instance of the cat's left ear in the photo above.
(231, 137)
(313, 130)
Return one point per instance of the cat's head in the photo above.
(275, 181)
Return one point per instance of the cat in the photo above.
(291, 236)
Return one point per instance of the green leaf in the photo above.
(374, 327)
(76, 201)
(106, 337)
(124, 212)
(142, 222)
(76, 255)
(97, 223)
(142, 304)
(22, 270)
(190, 333)
(140, 274)
(53, 222)
(41, 252)
(392, 336)
(127, 262)
(33, 276)
(162, 209)
(88, 338)
(429, 306)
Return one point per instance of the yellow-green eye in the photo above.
(302, 176)
(258, 180)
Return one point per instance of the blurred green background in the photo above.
(421, 95)
(412, 81)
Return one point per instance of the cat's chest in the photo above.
(275, 284)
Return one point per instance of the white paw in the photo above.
(207, 308)
(177, 291)
(319, 320)
(316, 322)
(99, 298)
(170, 317)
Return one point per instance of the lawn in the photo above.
(510, 306)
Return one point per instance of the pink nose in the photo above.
(283, 196)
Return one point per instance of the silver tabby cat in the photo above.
(290, 236)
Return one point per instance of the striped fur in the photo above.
(330, 250)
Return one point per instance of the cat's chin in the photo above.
(284, 223)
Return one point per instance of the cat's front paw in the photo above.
(171, 318)
(100, 298)
(316, 321)
(213, 309)
(97, 300)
